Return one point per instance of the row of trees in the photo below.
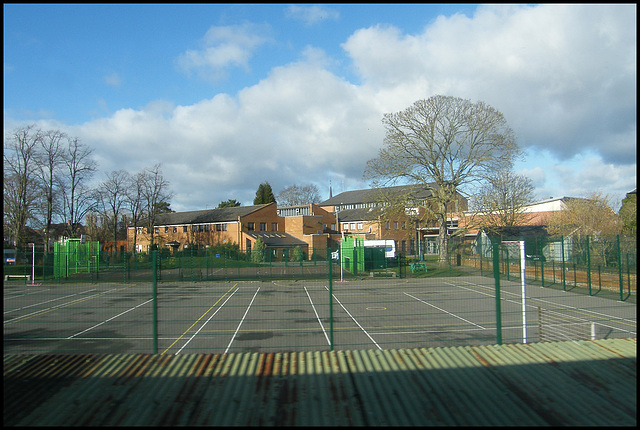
(47, 177)
(289, 196)
(447, 144)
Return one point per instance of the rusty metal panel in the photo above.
(556, 383)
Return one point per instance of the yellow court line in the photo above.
(63, 306)
(202, 316)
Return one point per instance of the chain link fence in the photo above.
(223, 300)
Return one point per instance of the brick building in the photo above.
(395, 213)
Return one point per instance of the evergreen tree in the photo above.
(231, 203)
(264, 194)
(258, 251)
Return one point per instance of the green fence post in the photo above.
(154, 257)
(508, 268)
(564, 284)
(619, 268)
(628, 277)
(588, 265)
(496, 278)
(330, 262)
(480, 252)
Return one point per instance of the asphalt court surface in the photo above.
(226, 317)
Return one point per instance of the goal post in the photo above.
(524, 285)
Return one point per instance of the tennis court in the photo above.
(254, 316)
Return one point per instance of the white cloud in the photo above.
(311, 14)
(550, 69)
(223, 47)
(564, 76)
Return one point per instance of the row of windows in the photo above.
(185, 228)
(351, 227)
(403, 225)
(251, 226)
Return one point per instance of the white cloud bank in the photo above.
(564, 76)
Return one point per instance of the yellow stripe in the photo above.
(202, 316)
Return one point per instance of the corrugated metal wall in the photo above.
(563, 383)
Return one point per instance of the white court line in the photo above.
(110, 319)
(205, 323)
(41, 303)
(356, 321)
(16, 295)
(58, 306)
(529, 297)
(446, 312)
(319, 321)
(242, 320)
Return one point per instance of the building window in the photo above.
(184, 228)
(386, 225)
(452, 223)
(156, 230)
(206, 227)
(345, 226)
(274, 226)
(395, 224)
(263, 226)
(175, 229)
(353, 226)
(250, 226)
(166, 229)
(359, 226)
(404, 225)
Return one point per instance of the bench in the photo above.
(27, 277)
(418, 267)
(385, 273)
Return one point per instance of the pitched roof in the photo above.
(207, 216)
(516, 232)
(361, 214)
(278, 240)
(378, 194)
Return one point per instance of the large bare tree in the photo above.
(112, 197)
(134, 204)
(443, 143)
(49, 159)
(299, 195)
(21, 181)
(78, 198)
(502, 200)
(155, 191)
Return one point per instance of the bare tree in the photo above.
(592, 217)
(299, 195)
(21, 185)
(111, 199)
(443, 143)
(502, 200)
(78, 198)
(49, 161)
(134, 203)
(155, 189)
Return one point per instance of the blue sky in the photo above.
(225, 97)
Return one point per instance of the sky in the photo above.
(228, 96)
